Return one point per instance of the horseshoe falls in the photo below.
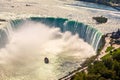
(89, 34)
(24, 44)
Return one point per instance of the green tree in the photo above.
(102, 78)
(108, 62)
(107, 69)
(116, 55)
(79, 76)
(92, 77)
(108, 74)
(96, 68)
(116, 67)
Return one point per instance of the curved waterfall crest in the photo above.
(89, 34)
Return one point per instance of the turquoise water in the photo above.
(27, 43)
(86, 32)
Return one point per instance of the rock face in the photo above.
(46, 60)
(100, 19)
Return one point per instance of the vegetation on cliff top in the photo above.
(107, 69)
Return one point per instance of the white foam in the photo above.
(23, 57)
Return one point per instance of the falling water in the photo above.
(27, 43)
(89, 34)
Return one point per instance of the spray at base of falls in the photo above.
(23, 56)
(89, 34)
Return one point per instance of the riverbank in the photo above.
(97, 58)
(116, 7)
(57, 8)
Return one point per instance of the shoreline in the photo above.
(97, 57)
(116, 7)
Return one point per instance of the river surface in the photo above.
(93, 5)
(61, 63)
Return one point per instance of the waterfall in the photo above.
(89, 34)
(25, 43)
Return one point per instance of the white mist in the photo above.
(23, 57)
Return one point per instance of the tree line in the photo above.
(107, 69)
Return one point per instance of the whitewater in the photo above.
(70, 9)
(23, 57)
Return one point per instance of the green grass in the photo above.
(106, 56)
(111, 53)
(109, 48)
